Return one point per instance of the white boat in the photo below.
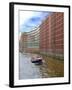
(37, 60)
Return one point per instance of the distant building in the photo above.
(33, 40)
(52, 35)
(29, 41)
(23, 42)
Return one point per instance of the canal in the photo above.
(28, 70)
(50, 67)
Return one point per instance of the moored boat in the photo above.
(37, 60)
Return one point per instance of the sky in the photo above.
(31, 19)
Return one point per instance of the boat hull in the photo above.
(38, 61)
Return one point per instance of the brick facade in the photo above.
(52, 34)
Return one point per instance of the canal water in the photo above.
(28, 70)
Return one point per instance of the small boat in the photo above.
(37, 60)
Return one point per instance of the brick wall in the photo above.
(52, 34)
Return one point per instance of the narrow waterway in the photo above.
(49, 68)
(27, 69)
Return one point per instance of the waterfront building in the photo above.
(52, 35)
(23, 42)
(33, 40)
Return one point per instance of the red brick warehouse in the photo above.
(52, 35)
